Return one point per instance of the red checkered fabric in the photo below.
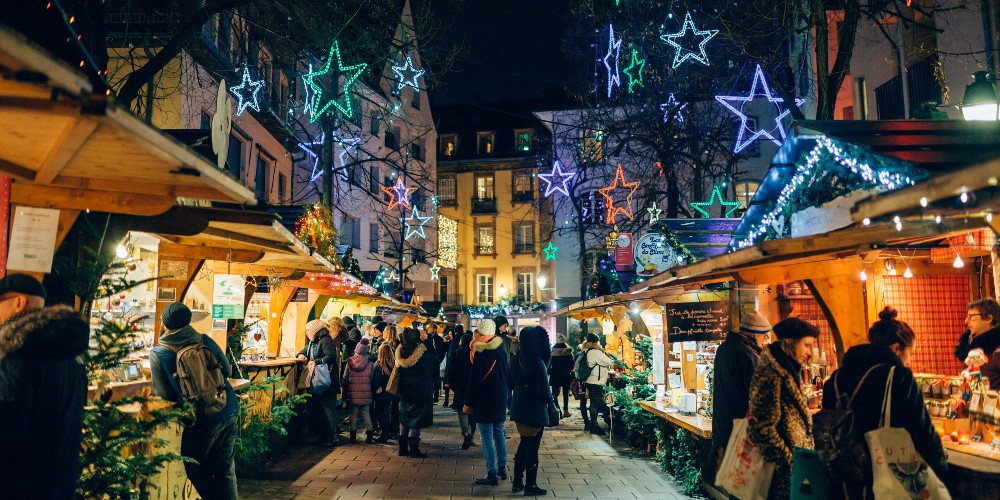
(981, 243)
(809, 310)
(935, 307)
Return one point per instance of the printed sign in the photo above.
(227, 296)
(623, 252)
(694, 321)
(33, 239)
(653, 255)
(301, 295)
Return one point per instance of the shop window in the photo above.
(525, 287)
(484, 288)
(485, 140)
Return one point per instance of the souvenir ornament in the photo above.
(314, 97)
(614, 78)
(408, 69)
(701, 206)
(736, 103)
(613, 211)
(634, 70)
(399, 195)
(550, 251)
(683, 54)
(435, 271)
(415, 224)
(246, 93)
(654, 213)
(309, 149)
(672, 109)
(556, 179)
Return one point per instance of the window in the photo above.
(523, 140)
(525, 287)
(234, 160)
(752, 149)
(350, 232)
(448, 145)
(373, 184)
(523, 187)
(387, 182)
(260, 177)
(524, 238)
(485, 141)
(375, 126)
(415, 102)
(446, 191)
(373, 238)
(416, 150)
(443, 289)
(282, 188)
(484, 188)
(392, 138)
(485, 241)
(745, 191)
(484, 288)
(591, 146)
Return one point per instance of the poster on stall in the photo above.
(227, 296)
(653, 255)
(659, 366)
(33, 239)
(697, 321)
(654, 325)
(623, 252)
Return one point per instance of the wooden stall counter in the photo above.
(268, 367)
(120, 390)
(699, 426)
(974, 471)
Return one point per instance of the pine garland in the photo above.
(315, 229)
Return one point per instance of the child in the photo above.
(357, 390)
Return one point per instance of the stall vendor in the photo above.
(983, 321)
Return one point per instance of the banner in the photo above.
(623, 252)
(227, 296)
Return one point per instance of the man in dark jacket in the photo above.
(212, 439)
(43, 388)
(735, 361)
(561, 372)
(983, 323)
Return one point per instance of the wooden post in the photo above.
(179, 284)
(843, 303)
(281, 296)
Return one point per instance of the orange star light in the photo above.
(398, 194)
(613, 211)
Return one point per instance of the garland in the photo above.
(315, 229)
(504, 307)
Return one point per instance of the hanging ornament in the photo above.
(614, 47)
(415, 224)
(736, 104)
(408, 74)
(347, 144)
(682, 53)
(314, 92)
(435, 271)
(701, 206)
(246, 93)
(613, 211)
(634, 70)
(557, 179)
(654, 213)
(399, 194)
(672, 109)
(311, 151)
(550, 251)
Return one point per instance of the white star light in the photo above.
(683, 54)
(408, 68)
(417, 227)
(346, 144)
(654, 213)
(247, 96)
(741, 101)
(615, 78)
(435, 271)
(557, 179)
(311, 151)
(672, 108)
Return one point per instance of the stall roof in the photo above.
(69, 149)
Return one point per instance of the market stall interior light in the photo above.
(121, 252)
(864, 275)
(964, 197)
(923, 201)
(541, 281)
(907, 273)
(959, 263)
(980, 101)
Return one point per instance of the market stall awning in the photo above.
(69, 149)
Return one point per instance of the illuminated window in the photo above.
(485, 141)
(591, 146)
(484, 188)
(448, 144)
(485, 241)
(523, 140)
(484, 288)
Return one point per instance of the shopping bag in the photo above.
(744, 473)
(305, 376)
(321, 380)
(897, 469)
(809, 477)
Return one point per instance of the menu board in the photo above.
(227, 297)
(694, 321)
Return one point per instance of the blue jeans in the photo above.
(494, 445)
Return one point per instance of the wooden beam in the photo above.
(784, 272)
(178, 221)
(67, 144)
(137, 186)
(280, 298)
(251, 240)
(257, 270)
(843, 301)
(210, 253)
(76, 199)
(18, 172)
(46, 105)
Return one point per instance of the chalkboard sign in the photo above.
(691, 321)
(301, 295)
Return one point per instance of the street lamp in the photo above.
(980, 100)
(502, 290)
(541, 280)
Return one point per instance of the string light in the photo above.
(347, 145)
(447, 242)
(737, 109)
(550, 251)
(682, 53)
(989, 217)
(416, 228)
(672, 109)
(557, 179)
(310, 151)
(614, 46)
(399, 194)
(634, 70)
(612, 210)
(716, 195)
(937, 219)
(958, 261)
(923, 201)
(246, 93)
(408, 68)
(316, 106)
(866, 221)
(964, 197)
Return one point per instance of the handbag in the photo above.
(578, 390)
(392, 386)
(305, 376)
(553, 414)
(744, 473)
(898, 470)
(321, 380)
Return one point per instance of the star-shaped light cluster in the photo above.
(737, 103)
(550, 251)
(634, 70)
(614, 49)
(415, 224)
(315, 104)
(557, 179)
(618, 183)
(408, 74)
(728, 206)
(399, 194)
(682, 53)
(311, 151)
(673, 109)
(654, 213)
(246, 93)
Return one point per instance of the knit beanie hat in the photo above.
(349, 321)
(500, 321)
(380, 326)
(176, 315)
(315, 325)
(362, 347)
(754, 323)
(795, 328)
(487, 327)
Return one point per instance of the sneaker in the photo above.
(597, 431)
(490, 479)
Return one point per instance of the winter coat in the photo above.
(989, 342)
(531, 391)
(459, 366)
(380, 380)
(163, 366)
(416, 391)
(779, 417)
(735, 361)
(489, 382)
(323, 350)
(600, 363)
(358, 380)
(43, 389)
(511, 344)
(908, 410)
(561, 367)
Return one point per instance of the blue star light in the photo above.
(672, 109)
(310, 150)
(246, 93)
(736, 104)
(682, 53)
(550, 251)
(557, 179)
(417, 228)
(347, 145)
(408, 69)
(614, 78)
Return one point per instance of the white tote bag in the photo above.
(744, 473)
(897, 469)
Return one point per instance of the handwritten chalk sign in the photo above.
(694, 321)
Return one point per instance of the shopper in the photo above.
(43, 389)
(735, 362)
(211, 441)
(983, 323)
(391, 336)
(448, 336)
(486, 398)
(459, 365)
(383, 399)
(779, 413)
(435, 346)
(321, 350)
(416, 409)
(561, 372)
(868, 365)
(529, 410)
(600, 366)
(581, 393)
(358, 371)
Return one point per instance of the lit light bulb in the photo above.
(958, 261)
(867, 221)
(964, 197)
(899, 226)
(896, 219)
(864, 275)
(892, 272)
(907, 273)
(923, 201)
(989, 217)
(937, 219)
(121, 252)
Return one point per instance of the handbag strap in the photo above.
(887, 400)
(488, 372)
(836, 388)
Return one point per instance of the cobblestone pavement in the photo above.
(573, 465)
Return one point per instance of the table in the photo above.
(974, 469)
(699, 426)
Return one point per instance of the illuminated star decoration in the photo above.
(416, 227)
(435, 271)
(635, 65)
(557, 179)
(314, 93)
(736, 103)
(309, 150)
(246, 93)
(613, 211)
(399, 195)
(716, 195)
(550, 251)
(683, 54)
(654, 213)
(672, 109)
(346, 144)
(392, 277)
(408, 69)
(614, 78)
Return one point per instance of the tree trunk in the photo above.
(841, 65)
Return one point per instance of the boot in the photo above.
(566, 413)
(354, 437)
(369, 437)
(531, 481)
(596, 430)
(490, 479)
(414, 448)
(534, 491)
(383, 437)
(467, 442)
(518, 485)
(502, 473)
(404, 447)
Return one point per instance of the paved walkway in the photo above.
(573, 465)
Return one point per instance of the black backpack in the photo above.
(841, 449)
(582, 369)
(199, 379)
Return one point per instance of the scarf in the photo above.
(478, 340)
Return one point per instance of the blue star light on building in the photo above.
(775, 134)
(408, 74)
(415, 224)
(682, 53)
(672, 109)
(246, 93)
(556, 179)
(614, 47)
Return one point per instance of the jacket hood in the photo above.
(988, 341)
(181, 336)
(561, 351)
(412, 358)
(489, 345)
(49, 332)
(358, 362)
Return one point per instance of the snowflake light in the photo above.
(399, 194)
(614, 47)
(246, 93)
(415, 224)
(314, 97)
(613, 211)
(682, 53)
(736, 104)
(557, 179)
(408, 74)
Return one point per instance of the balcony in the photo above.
(486, 250)
(484, 205)
(524, 248)
(447, 201)
(450, 301)
(523, 196)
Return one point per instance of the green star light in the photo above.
(315, 100)
(550, 251)
(636, 64)
(716, 194)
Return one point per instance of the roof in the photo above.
(502, 118)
